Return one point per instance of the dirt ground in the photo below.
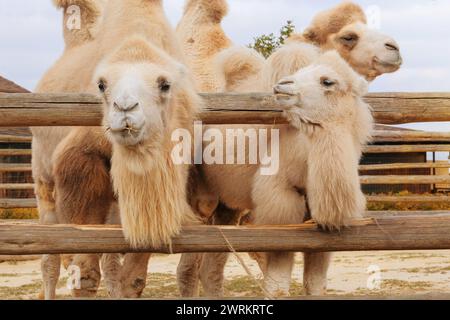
(352, 274)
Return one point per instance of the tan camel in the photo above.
(319, 153)
(63, 158)
(364, 53)
(147, 96)
(202, 38)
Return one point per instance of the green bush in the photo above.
(267, 44)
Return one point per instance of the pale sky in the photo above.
(31, 36)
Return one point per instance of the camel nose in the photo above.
(125, 105)
(391, 46)
(285, 86)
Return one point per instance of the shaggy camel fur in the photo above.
(319, 153)
(67, 161)
(202, 38)
(148, 96)
(363, 53)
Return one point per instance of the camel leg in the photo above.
(110, 263)
(134, 274)
(278, 273)
(315, 272)
(83, 195)
(188, 274)
(50, 264)
(280, 205)
(213, 264)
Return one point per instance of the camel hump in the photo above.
(209, 10)
(80, 20)
(236, 65)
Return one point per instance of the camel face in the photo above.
(322, 93)
(136, 101)
(368, 51)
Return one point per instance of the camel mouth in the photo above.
(394, 65)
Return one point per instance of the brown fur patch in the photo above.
(332, 21)
(85, 168)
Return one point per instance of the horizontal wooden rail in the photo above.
(405, 179)
(6, 167)
(86, 110)
(15, 138)
(409, 199)
(405, 136)
(379, 136)
(31, 203)
(17, 203)
(364, 180)
(407, 148)
(384, 233)
(16, 186)
(395, 166)
(15, 152)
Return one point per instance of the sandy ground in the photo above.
(396, 273)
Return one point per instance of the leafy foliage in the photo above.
(267, 44)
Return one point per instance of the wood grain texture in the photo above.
(5, 167)
(384, 233)
(405, 179)
(396, 166)
(409, 199)
(258, 108)
(17, 203)
(407, 148)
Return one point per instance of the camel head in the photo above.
(325, 94)
(344, 28)
(145, 92)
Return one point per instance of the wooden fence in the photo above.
(381, 231)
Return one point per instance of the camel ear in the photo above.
(311, 36)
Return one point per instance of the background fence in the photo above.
(396, 158)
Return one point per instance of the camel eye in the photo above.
(327, 82)
(164, 85)
(102, 85)
(349, 40)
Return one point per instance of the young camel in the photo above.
(319, 153)
(241, 70)
(79, 159)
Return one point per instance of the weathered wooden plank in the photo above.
(410, 136)
(405, 179)
(14, 138)
(15, 152)
(16, 186)
(6, 167)
(17, 203)
(406, 199)
(394, 166)
(386, 233)
(85, 110)
(407, 148)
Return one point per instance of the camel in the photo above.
(368, 48)
(67, 160)
(147, 96)
(202, 38)
(319, 157)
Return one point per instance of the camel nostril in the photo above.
(285, 82)
(391, 46)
